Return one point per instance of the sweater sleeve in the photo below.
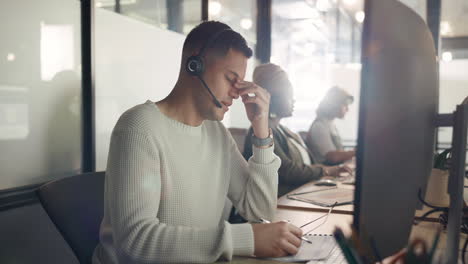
(253, 184)
(133, 192)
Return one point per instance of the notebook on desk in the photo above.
(322, 250)
(326, 197)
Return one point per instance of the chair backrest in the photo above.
(76, 206)
(239, 135)
(27, 235)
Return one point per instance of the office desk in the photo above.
(299, 213)
(298, 218)
(285, 203)
(425, 230)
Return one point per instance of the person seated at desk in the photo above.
(323, 139)
(298, 166)
(172, 164)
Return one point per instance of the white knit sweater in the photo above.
(166, 186)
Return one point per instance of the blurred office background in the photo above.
(137, 47)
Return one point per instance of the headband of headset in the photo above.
(195, 65)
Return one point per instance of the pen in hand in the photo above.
(264, 221)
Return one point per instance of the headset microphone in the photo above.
(195, 65)
(215, 100)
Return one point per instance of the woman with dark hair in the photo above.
(298, 166)
(323, 139)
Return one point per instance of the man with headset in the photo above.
(172, 164)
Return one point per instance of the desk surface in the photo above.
(299, 213)
(285, 203)
(425, 230)
(298, 218)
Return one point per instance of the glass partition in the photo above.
(40, 91)
(318, 43)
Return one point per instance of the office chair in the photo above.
(76, 206)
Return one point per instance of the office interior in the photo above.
(70, 68)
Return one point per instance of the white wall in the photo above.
(134, 62)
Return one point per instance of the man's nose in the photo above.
(234, 93)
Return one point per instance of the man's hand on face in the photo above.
(256, 106)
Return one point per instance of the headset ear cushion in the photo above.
(194, 65)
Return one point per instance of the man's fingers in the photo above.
(254, 90)
(280, 253)
(249, 90)
(293, 239)
(252, 99)
(288, 247)
(295, 230)
(244, 84)
(249, 100)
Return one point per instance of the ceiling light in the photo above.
(445, 28)
(246, 23)
(10, 57)
(214, 8)
(447, 56)
(360, 15)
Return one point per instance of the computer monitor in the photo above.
(398, 107)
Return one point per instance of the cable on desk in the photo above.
(443, 219)
(435, 209)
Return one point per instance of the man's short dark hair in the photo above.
(199, 36)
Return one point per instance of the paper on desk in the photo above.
(320, 249)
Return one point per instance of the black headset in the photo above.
(196, 66)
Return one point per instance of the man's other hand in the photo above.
(276, 239)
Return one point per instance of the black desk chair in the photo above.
(76, 206)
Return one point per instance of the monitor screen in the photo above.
(398, 107)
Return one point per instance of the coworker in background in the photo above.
(298, 166)
(172, 164)
(323, 139)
